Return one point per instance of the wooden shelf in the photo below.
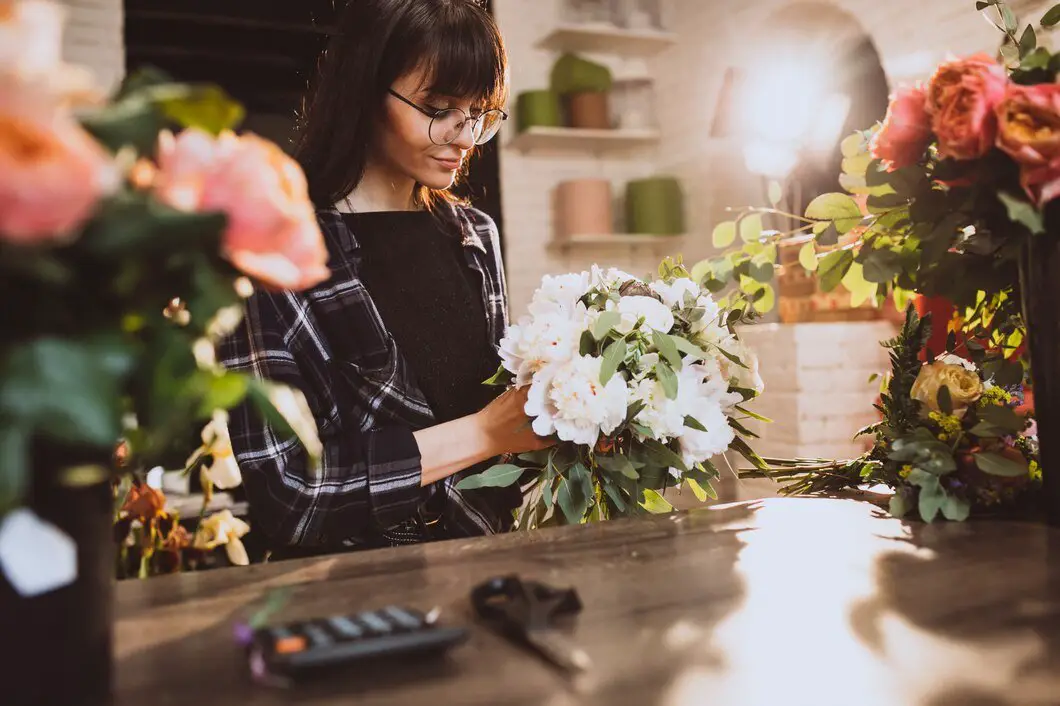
(607, 40)
(574, 138)
(614, 240)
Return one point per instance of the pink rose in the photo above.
(272, 232)
(962, 98)
(52, 173)
(1029, 131)
(906, 131)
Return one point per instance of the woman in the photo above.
(391, 352)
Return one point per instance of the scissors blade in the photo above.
(558, 650)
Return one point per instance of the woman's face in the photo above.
(405, 145)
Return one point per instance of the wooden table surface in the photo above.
(789, 601)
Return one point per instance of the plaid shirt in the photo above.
(330, 343)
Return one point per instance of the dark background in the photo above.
(263, 52)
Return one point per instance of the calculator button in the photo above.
(375, 623)
(318, 635)
(345, 627)
(403, 618)
(289, 645)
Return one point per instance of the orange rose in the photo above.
(272, 232)
(962, 98)
(906, 131)
(1029, 131)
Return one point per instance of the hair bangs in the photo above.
(463, 56)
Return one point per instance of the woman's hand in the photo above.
(505, 424)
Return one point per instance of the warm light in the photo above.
(782, 102)
(769, 159)
(828, 125)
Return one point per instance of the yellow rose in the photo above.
(964, 385)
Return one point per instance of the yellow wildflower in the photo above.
(1035, 471)
(949, 425)
(994, 396)
(905, 471)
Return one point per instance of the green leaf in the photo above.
(945, 400)
(833, 267)
(762, 271)
(655, 503)
(132, 122)
(753, 415)
(886, 202)
(572, 498)
(134, 224)
(206, 107)
(852, 145)
(613, 357)
(662, 456)
(1040, 58)
(641, 429)
(956, 509)
(500, 476)
(1004, 418)
(667, 378)
(615, 493)
(697, 490)
(898, 505)
(604, 323)
(776, 193)
(1009, 18)
(987, 430)
(223, 391)
(861, 290)
(808, 256)
(841, 209)
(693, 423)
(67, 389)
(724, 234)
(1023, 212)
(587, 344)
(1028, 41)
(618, 464)
(998, 465)
(500, 379)
(932, 497)
(1051, 17)
(751, 228)
(766, 301)
(741, 447)
(828, 235)
(882, 266)
(258, 396)
(666, 346)
(14, 465)
(688, 348)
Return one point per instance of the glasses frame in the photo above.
(433, 115)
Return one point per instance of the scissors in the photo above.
(526, 610)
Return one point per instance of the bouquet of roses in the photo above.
(955, 436)
(642, 384)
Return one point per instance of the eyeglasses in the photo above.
(448, 124)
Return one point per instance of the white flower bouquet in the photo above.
(641, 383)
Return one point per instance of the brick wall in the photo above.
(93, 38)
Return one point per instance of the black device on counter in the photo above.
(298, 647)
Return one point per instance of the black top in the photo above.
(430, 300)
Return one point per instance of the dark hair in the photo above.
(379, 41)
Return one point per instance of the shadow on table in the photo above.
(978, 603)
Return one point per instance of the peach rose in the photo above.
(906, 131)
(52, 173)
(272, 233)
(1029, 131)
(964, 385)
(962, 98)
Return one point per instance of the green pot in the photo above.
(573, 74)
(538, 109)
(655, 206)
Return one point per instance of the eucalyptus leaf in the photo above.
(693, 423)
(808, 256)
(662, 456)
(667, 347)
(587, 344)
(604, 323)
(931, 499)
(615, 494)
(724, 234)
(841, 209)
(1051, 17)
(828, 236)
(751, 228)
(1004, 418)
(571, 499)
(775, 192)
(898, 505)
(1023, 212)
(956, 509)
(617, 464)
(688, 348)
(14, 465)
(613, 357)
(833, 267)
(998, 465)
(499, 476)
(667, 378)
(1028, 41)
(697, 490)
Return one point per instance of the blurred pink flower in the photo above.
(1029, 131)
(272, 233)
(906, 131)
(52, 173)
(962, 98)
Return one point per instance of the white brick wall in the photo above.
(93, 38)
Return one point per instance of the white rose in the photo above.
(657, 316)
(568, 400)
(674, 293)
(559, 293)
(539, 341)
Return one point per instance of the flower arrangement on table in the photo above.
(953, 438)
(643, 383)
(124, 252)
(954, 195)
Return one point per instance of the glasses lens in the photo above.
(446, 126)
(489, 123)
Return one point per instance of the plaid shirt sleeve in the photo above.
(368, 479)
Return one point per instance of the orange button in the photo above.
(287, 645)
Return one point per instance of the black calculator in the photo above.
(298, 647)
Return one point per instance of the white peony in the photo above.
(674, 293)
(542, 340)
(609, 278)
(744, 376)
(660, 414)
(703, 395)
(568, 400)
(559, 293)
(657, 316)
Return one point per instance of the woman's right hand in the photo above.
(505, 423)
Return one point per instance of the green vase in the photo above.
(655, 206)
(538, 109)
